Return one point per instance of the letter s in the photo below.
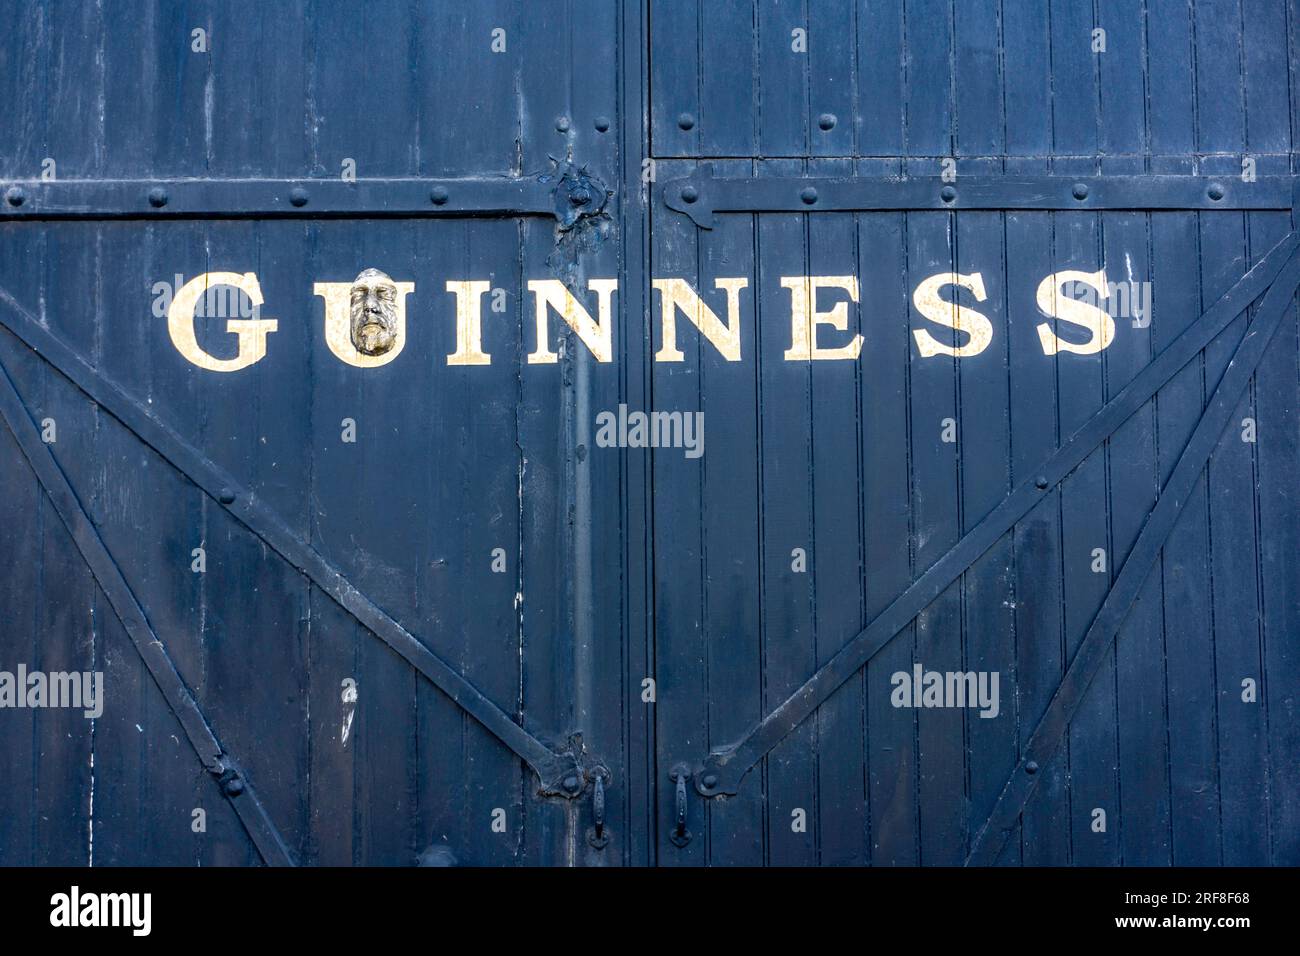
(1083, 314)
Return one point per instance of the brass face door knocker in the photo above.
(365, 319)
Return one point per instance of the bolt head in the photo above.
(1215, 191)
(439, 195)
(571, 783)
(710, 781)
(690, 194)
(602, 124)
(1031, 767)
(826, 121)
(948, 193)
(157, 197)
(580, 197)
(1040, 482)
(15, 196)
(562, 124)
(1080, 190)
(234, 786)
(686, 121)
(809, 196)
(226, 496)
(298, 196)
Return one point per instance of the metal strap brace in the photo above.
(701, 195)
(723, 769)
(252, 814)
(560, 774)
(1046, 737)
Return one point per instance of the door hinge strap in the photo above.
(723, 769)
(252, 814)
(560, 773)
(566, 192)
(1101, 634)
(700, 195)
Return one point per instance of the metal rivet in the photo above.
(15, 196)
(826, 121)
(579, 197)
(1040, 482)
(685, 120)
(1215, 191)
(949, 193)
(234, 786)
(157, 197)
(571, 783)
(298, 196)
(809, 196)
(690, 194)
(710, 781)
(1080, 190)
(562, 124)
(226, 496)
(1031, 767)
(602, 124)
(439, 195)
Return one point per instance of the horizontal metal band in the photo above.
(286, 198)
(701, 196)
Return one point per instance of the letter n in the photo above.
(597, 336)
(677, 294)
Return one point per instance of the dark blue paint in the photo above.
(631, 565)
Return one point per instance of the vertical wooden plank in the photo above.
(730, 521)
(927, 31)
(782, 76)
(887, 509)
(729, 92)
(789, 772)
(881, 73)
(1226, 243)
(832, 83)
(1270, 34)
(681, 711)
(836, 555)
(1143, 819)
(675, 62)
(1028, 84)
(884, 440)
(988, 595)
(554, 626)
(936, 502)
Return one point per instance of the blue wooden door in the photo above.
(896, 507)
(815, 433)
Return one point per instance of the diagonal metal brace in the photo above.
(723, 769)
(1096, 644)
(234, 785)
(560, 773)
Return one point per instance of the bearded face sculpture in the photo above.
(374, 312)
